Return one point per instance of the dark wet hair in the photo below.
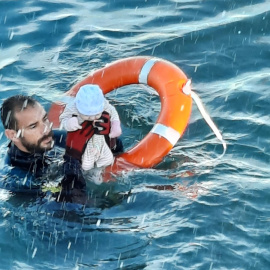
(13, 105)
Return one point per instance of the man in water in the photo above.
(33, 156)
(34, 160)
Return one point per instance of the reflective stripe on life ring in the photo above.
(168, 80)
(143, 76)
(166, 132)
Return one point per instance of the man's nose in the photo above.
(47, 127)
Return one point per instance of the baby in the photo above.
(88, 105)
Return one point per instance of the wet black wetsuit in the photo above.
(39, 172)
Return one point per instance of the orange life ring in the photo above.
(168, 80)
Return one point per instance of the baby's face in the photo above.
(90, 117)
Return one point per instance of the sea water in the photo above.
(217, 217)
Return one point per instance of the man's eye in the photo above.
(32, 126)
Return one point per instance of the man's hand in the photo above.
(77, 140)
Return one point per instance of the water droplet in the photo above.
(34, 252)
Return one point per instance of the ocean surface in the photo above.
(218, 215)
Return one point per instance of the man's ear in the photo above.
(11, 134)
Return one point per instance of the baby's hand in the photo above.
(103, 124)
(72, 124)
(116, 130)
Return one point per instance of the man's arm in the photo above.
(73, 184)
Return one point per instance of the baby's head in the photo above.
(90, 102)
